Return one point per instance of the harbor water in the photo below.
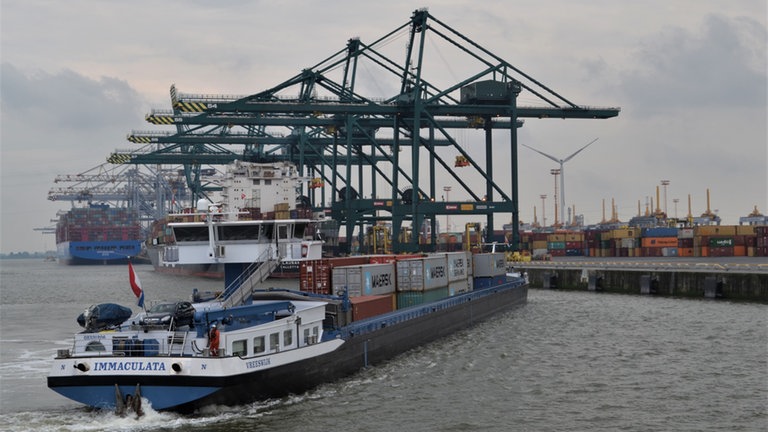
(566, 361)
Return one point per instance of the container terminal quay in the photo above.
(727, 278)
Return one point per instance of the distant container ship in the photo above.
(98, 234)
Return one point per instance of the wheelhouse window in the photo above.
(268, 230)
(239, 232)
(274, 341)
(299, 230)
(283, 233)
(239, 347)
(95, 346)
(288, 337)
(258, 345)
(188, 234)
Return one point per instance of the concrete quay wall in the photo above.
(705, 283)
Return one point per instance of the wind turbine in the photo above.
(562, 173)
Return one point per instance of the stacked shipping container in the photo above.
(761, 241)
(98, 223)
(421, 280)
(656, 242)
(700, 241)
(379, 283)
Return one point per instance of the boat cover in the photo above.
(103, 316)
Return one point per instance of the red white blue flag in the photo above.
(136, 285)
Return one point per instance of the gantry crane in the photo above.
(150, 191)
(369, 151)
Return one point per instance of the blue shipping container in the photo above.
(659, 232)
(488, 282)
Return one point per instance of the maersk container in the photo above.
(459, 287)
(459, 265)
(413, 298)
(364, 280)
(489, 264)
(422, 274)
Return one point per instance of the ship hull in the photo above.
(360, 351)
(358, 345)
(97, 252)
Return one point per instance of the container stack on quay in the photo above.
(699, 241)
(383, 283)
(761, 241)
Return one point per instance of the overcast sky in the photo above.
(689, 76)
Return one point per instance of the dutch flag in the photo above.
(136, 285)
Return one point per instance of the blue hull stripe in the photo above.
(162, 397)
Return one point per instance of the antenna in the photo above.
(562, 172)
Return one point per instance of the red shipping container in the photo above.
(386, 259)
(651, 251)
(381, 259)
(721, 251)
(315, 275)
(369, 306)
(659, 242)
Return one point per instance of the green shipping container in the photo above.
(720, 241)
(413, 298)
(556, 245)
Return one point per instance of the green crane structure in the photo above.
(371, 152)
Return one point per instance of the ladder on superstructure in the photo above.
(240, 290)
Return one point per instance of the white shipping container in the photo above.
(364, 280)
(422, 274)
(685, 233)
(489, 264)
(628, 243)
(459, 287)
(408, 272)
(459, 265)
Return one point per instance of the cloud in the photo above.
(720, 67)
(66, 101)
(55, 123)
